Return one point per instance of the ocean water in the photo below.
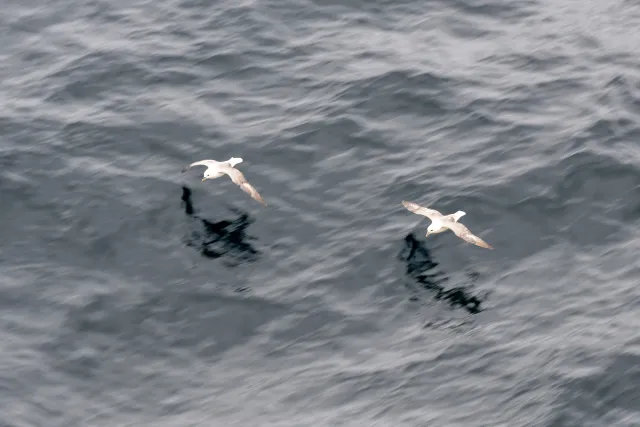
(134, 295)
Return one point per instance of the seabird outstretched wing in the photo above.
(421, 210)
(207, 163)
(463, 232)
(238, 178)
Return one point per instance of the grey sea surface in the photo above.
(134, 295)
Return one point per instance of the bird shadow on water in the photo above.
(423, 275)
(226, 239)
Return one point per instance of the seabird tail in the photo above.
(234, 161)
(456, 216)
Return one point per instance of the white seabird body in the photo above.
(216, 169)
(441, 223)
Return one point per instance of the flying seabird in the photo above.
(216, 169)
(440, 223)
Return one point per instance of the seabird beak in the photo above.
(204, 179)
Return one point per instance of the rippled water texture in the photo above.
(132, 294)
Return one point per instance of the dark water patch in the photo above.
(587, 198)
(174, 77)
(604, 184)
(542, 61)
(122, 143)
(620, 58)
(549, 90)
(399, 92)
(422, 270)
(222, 62)
(607, 131)
(463, 28)
(323, 330)
(338, 135)
(32, 20)
(608, 397)
(25, 134)
(226, 239)
(623, 92)
(505, 12)
(97, 75)
(117, 340)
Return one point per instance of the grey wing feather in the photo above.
(463, 232)
(207, 163)
(421, 210)
(238, 178)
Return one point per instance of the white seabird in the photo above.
(216, 169)
(440, 223)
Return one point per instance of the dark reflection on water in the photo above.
(225, 238)
(421, 270)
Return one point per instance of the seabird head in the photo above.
(207, 175)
